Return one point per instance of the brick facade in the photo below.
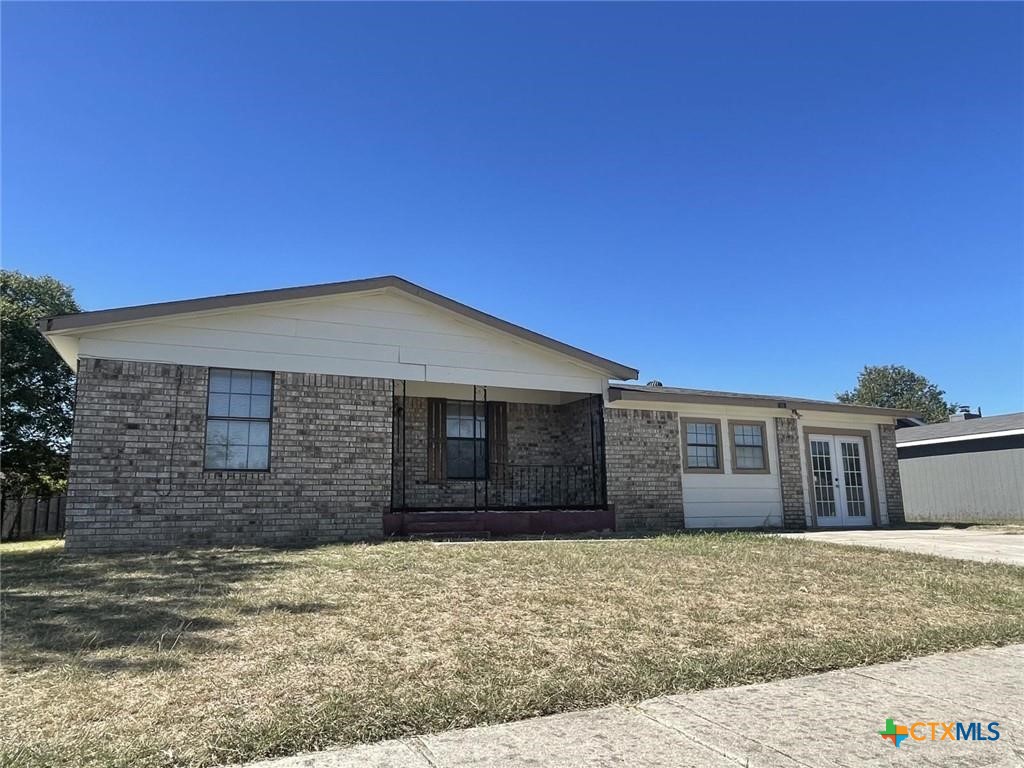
(891, 473)
(137, 478)
(787, 442)
(546, 439)
(644, 482)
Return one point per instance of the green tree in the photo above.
(37, 389)
(896, 386)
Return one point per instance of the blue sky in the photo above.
(757, 198)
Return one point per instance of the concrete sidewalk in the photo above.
(831, 719)
(984, 543)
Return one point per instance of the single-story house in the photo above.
(968, 469)
(361, 409)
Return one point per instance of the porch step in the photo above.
(450, 524)
(456, 518)
(450, 535)
(442, 526)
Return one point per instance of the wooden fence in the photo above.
(31, 517)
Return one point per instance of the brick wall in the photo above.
(787, 440)
(642, 455)
(540, 436)
(581, 430)
(891, 473)
(137, 478)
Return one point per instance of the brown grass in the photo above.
(206, 657)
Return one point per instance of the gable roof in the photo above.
(964, 430)
(640, 392)
(80, 321)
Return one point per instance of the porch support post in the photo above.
(405, 421)
(602, 450)
(487, 453)
(474, 451)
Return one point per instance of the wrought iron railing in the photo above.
(543, 485)
(509, 486)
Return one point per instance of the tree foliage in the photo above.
(37, 388)
(896, 386)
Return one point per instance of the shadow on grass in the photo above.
(286, 607)
(58, 609)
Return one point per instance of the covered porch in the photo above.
(477, 459)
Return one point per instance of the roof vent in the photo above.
(654, 383)
(964, 413)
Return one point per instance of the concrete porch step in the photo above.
(450, 535)
(512, 522)
(457, 518)
(471, 525)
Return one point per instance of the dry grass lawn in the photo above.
(207, 657)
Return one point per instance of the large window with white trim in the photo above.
(238, 419)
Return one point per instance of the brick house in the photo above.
(367, 408)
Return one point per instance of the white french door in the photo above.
(839, 477)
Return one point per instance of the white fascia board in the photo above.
(960, 438)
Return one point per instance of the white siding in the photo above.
(731, 500)
(379, 333)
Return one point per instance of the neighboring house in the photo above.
(969, 469)
(360, 409)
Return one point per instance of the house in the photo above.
(969, 469)
(360, 409)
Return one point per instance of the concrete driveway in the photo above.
(986, 543)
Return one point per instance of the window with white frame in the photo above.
(238, 419)
(749, 451)
(703, 446)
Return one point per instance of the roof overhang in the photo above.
(70, 325)
(671, 395)
(958, 438)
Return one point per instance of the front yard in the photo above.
(216, 656)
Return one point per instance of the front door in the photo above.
(840, 479)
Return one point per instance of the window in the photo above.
(238, 420)
(749, 449)
(703, 445)
(466, 440)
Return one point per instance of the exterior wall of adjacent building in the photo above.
(978, 486)
(137, 479)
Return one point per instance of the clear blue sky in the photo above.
(757, 198)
